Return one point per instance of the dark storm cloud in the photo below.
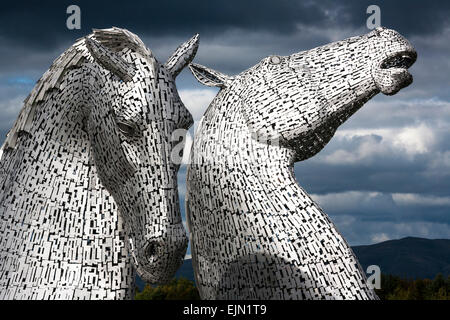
(41, 24)
(34, 33)
(409, 17)
(387, 176)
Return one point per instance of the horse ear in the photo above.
(110, 60)
(182, 56)
(209, 77)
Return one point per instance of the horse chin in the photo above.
(159, 259)
(160, 271)
(391, 81)
(154, 278)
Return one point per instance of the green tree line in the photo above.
(176, 289)
(392, 288)
(396, 288)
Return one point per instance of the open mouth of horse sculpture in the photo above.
(392, 73)
(397, 64)
(403, 60)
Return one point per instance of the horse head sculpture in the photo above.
(255, 233)
(130, 129)
(302, 99)
(89, 169)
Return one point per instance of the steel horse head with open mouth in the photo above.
(256, 234)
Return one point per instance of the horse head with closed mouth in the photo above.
(131, 132)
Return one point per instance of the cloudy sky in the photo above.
(385, 174)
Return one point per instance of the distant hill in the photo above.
(407, 258)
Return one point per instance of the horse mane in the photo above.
(115, 39)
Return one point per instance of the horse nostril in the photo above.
(151, 248)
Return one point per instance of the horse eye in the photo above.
(275, 60)
(126, 129)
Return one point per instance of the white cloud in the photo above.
(414, 140)
(411, 199)
(367, 148)
(423, 229)
(390, 112)
(343, 201)
(361, 232)
(380, 237)
(405, 141)
(197, 100)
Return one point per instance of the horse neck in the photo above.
(246, 189)
(53, 157)
(225, 144)
(58, 211)
(224, 140)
